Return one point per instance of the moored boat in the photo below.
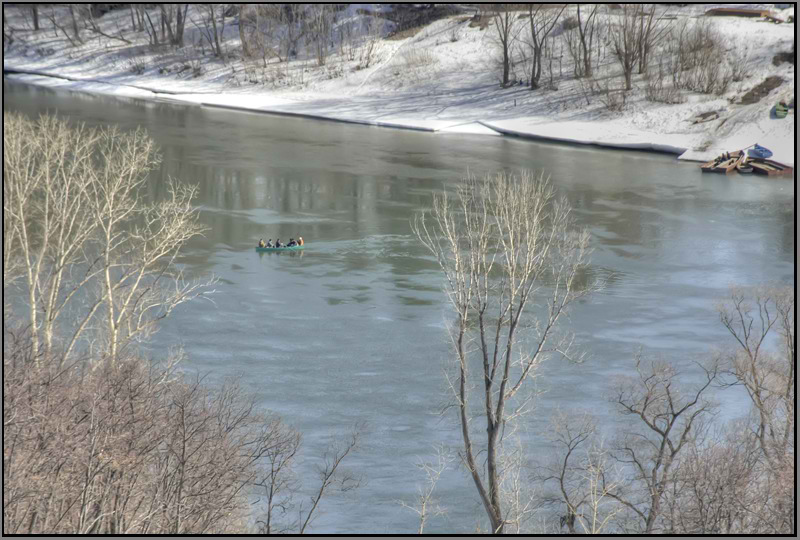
(759, 152)
(744, 167)
(768, 167)
(724, 163)
(781, 110)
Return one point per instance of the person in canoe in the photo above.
(291, 243)
(261, 243)
(269, 243)
(300, 241)
(278, 243)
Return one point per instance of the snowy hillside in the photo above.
(443, 76)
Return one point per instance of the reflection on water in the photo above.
(353, 327)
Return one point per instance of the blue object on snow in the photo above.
(760, 152)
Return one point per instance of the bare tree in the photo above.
(372, 35)
(292, 16)
(625, 40)
(128, 447)
(47, 167)
(587, 23)
(92, 26)
(668, 416)
(259, 30)
(152, 33)
(80, 232)
(506, 246)
(54, 16)
(35, 15)
(504, 23)
(600, 478)
(246, 52)
(582, 476)
(684, 474)
(176, 12)
(212, 27)
(75, 31)
(698, 56)
(762, 323)
(426, 505)
(331, 475)
(319, 22)
(134, 27)
(752, 316)
(281, 514)
(652, 29)
(542, 18)
(719, 485)
(8, 32)
(278, 482)
(568, 435)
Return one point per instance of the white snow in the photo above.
(442, 79)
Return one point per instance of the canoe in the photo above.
(758, 151)
(768, 167)
(724, 164)
(744, 167)
(278, 250)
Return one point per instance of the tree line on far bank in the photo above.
(605, 48)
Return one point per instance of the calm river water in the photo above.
(353, 329)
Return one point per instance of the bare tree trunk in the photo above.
(242, 37)
(140, 16)
(35, 13)
(216, 32)
(626, 41)
(163, 25)
(586, 32)
(75, 31)
(166, 20)
(154, 34)
(542, 19)
(652, 30)
(211, 30)
(8, 35)
(504, 25)
(180, 24)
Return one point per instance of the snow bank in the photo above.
(606, 134)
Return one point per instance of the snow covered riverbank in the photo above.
(441, 79)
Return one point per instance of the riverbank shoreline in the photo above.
(62, 82)
(555, 134)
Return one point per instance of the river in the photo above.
(353, 329)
